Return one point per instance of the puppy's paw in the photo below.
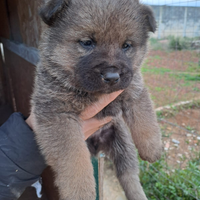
(151, 152)
(80, 190)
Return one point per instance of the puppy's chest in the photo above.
(77, 103)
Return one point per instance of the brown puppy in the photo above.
(93, 47)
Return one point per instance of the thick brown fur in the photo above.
(71, 76)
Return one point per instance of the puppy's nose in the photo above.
(110, 77)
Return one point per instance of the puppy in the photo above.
(89, 48)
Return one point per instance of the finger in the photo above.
(97, 123)
(94, 123)
(103, 101)
(89, 133)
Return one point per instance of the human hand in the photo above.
(88, 123)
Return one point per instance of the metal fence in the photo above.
(176, 17)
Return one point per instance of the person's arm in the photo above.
(21, 162)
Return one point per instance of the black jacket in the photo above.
(21, 162)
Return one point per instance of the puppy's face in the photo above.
(98, 44)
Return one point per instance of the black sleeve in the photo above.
(21, 162)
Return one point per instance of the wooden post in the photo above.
(98, 166)
(160, 22)
(101, 175)
(185, 22)
(96, 175)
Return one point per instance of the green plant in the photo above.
(193, 67)
(154, 70)
(158, 89)
(196, 89)
(187, 77)
(190, 77)
(189, 128)
(155, 44)
(161, 182)
(179, 43)
(187, 142)
(160, 114)
(156, 57)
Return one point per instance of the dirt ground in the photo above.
(111, 187)
(181, 138)
(182, 126)
(172, 76)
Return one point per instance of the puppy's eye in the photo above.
(126, 46)
(87, 44)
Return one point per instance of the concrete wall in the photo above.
(178, 21)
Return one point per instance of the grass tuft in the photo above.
(161, 182)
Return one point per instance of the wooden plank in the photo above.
(14, 20)
(48, 184)
(4, 20)
(6, 95)
(30, 54)
(30, 22)
(21, 75)
(2, 79)
(30, 194)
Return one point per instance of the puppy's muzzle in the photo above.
(110, 77)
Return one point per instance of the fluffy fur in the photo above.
(72, 74)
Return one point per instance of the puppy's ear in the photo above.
(149, 18)
(52, 9)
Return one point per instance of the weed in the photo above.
(193, 67)
(159, 114)
(187, 77)
(161, 182)
(164, 134)
(184, 158)
(155, 70)
(155, 44)
(187, 141)
(196, 89)
(196, 159)
(167, 113)
(189, 128)
(156, 57)
(147, 68)
(179, 43)
(153, 41)
(153, 97)
(190, 77)
(158, 89)
(186, 84)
